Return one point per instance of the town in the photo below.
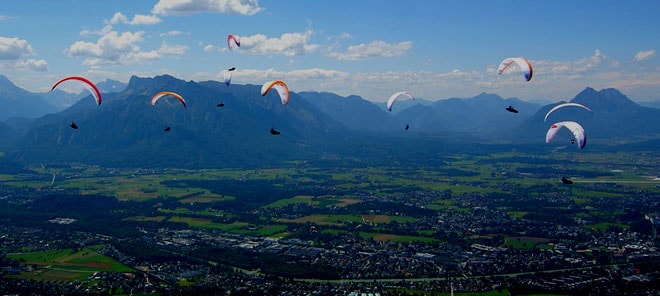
(336, 240)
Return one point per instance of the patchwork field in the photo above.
(66, 264)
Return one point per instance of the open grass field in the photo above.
(460, 174)
(236, 227)
(321, 201)
(604, 226)
(596, 177)
(339, 220)
(66, 264)
(396, 238)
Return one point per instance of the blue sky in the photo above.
(432, 49)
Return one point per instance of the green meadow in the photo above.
(66, 264)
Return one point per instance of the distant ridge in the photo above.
(17, 102)
(614, 116)
(127, 131)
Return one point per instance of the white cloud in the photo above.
(644, 55)
(289, 44)
(211, 47)
(374, 49)
(574, 69)
(120, 49)
(177, 50)
(107, 29)
(187, 7)
(118, 18)
(14, 48)
(171, 33)
(138, 19)
(294, 75)
(33, 65)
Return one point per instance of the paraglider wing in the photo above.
(73, 125)
(566, 105)
(566, 181)
(524, 65)
(511, 109)
(280, 86)
(167, 93)
(233, 39)
(574, 127)
(86, 83)
(395, 96)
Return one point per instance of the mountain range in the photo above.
(127, 131)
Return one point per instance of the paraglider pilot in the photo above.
(73, 125)
(167, 129)
(274, 132)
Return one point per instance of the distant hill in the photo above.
(17, 102)
(111, 86)
(483, 115)
(614, 116)
(127, 131)
(404, 103)
(353, 111)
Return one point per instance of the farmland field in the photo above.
(67, 264)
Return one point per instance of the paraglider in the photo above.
(565, 105)
(511, 109)
(96, 94)
(395, 96)
(167, 129)
(524, 65)
(73, 125)
(407, 127)
(280, 86)
(161, 94)
(282, 90)
(220, 105)
(566, 181)
(233, 39)
(577, 130)
(227, 74)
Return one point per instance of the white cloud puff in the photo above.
(138, 19)
(33, 65)
(187, 7)
(289, 44)
(374, 49)
(120, 49)
(644, 55)
(171, 33)
(14, 48)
